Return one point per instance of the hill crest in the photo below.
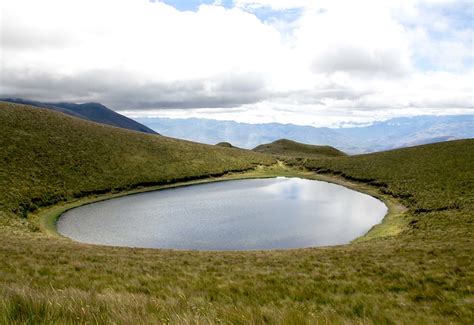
(286, 147)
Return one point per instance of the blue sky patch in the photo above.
(264, 13)
(193, 5)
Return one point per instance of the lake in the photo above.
(272, 213)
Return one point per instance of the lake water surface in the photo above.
(277, 213)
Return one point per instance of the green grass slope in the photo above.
(289, 148)
(422, 275)
(48, 156)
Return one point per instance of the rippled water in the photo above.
(275, 213)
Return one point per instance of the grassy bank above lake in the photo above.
(394, 222)
(422, 274)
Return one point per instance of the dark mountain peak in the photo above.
(95, 112)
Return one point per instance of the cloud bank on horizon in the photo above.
(290, 61)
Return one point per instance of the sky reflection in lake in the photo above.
(276, 213)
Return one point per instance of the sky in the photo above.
(321, 63)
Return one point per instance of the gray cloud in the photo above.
(228, 60)
(121, 90)
(360, 61)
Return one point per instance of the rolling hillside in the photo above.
(421, 274)
(94, 112)
(288, 148)
(51, 157)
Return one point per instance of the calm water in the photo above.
(243, 214)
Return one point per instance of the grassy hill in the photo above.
(225, 144)
(422, 275)
(51, 157)
(288, 148)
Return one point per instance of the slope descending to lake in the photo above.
(47, 157)
(421, 275)
(431, 177)
(435, 181)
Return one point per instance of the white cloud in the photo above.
(353, 38)
(274, 4)
(337, 61)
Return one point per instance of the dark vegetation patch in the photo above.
(225, 144)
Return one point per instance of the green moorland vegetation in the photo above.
(422, 273)
(289, 148)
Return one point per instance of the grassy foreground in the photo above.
(422, 274)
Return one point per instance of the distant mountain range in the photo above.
(89, 111)
(390, 134)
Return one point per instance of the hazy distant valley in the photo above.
(390, 134)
